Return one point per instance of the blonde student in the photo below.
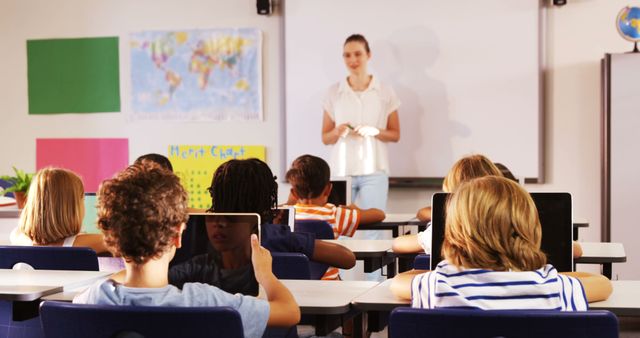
(310, 189)
(142, 213)
(492, 258)
(54, 211)
(464, 169)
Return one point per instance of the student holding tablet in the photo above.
(142, 213)
(492, 258)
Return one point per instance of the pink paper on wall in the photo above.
(93, 159)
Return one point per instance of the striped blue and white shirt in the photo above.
(453, 287)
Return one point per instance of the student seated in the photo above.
(493, 258)
(309, 177)
(142, 212)
(464, 169)
(53, 213)
(248, 186)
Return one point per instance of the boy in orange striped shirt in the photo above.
(310, 189)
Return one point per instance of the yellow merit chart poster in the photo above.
(195, 165)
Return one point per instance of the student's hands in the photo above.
(367, 131)
(261, 259)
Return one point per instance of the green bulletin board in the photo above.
(73, 75)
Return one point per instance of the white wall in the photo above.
(37, 19)
(578, 36)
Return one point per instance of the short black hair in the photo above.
(161, 160)
(308, 176)
(245, 186)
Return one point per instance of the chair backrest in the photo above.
(290, 265)
(322, 230)
(463, 323)
(421, 262)
(49, 258)
(107, 321)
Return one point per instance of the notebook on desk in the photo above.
(554, 211)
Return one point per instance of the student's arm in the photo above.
(401, 283)
(333, 254)
(330, 132)
(577, 250)
(407, 244)
(373, 215)
(284, 310)
(93, 241)
(392, 133)
(424, 214)
(596, 287)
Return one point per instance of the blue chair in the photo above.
(422, 262)
(463, 323)
(322, 230)
(49, 258)
(21, 319)
(290, 265)
(66, 320)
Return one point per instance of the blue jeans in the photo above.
(370, 191)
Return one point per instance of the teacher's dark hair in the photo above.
(358, 38)
(245, 186)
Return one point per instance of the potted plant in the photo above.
(19, 186)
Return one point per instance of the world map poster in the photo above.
(211, 74)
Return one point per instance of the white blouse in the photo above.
(354, 154)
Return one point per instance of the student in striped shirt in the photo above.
(310, 189)
(493, 258)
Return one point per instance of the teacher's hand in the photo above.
(343, 129)
(367, 131)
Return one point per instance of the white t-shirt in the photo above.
(354, 154)
(542, 289)
(424, 239)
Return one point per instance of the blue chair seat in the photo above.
(450, 323)
(106, 321)
(290, 265)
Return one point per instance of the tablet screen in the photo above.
(554, 211)
(216, 250)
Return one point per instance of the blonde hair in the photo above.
(492, 223)
(467, 168)
(54, 208)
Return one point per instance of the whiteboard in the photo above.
(467, 73)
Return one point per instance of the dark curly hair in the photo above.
(140, 211)
(245, 186)
(308, 176)
(161, 160)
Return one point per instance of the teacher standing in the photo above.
(360, 117)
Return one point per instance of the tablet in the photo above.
(341, 191)
(554, 211)
(211, 238)
(285, 215)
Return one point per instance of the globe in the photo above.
(628, 23)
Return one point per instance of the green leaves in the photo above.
(20, 182)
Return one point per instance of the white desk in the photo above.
(624, 301)
(602, 253)
(29, 285)
(375, 253)
(393, 222)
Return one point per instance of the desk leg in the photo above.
(575, 233)
(607, 270)
(394, 232)
(360, 328)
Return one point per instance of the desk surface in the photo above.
(379, 298)
(624, 301)
(595, 252)
(365, 247)
(27, 285)
(326, 297)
